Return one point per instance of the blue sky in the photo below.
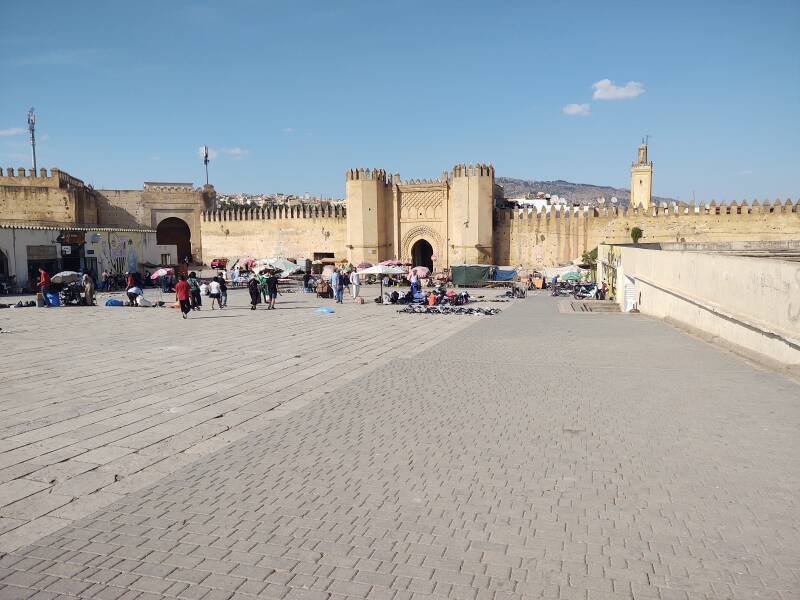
(289, 94)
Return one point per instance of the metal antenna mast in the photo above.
(32, 128)
(205, 161)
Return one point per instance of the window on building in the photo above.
(166, 259)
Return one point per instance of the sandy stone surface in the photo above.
(533, 454)
(100, 402)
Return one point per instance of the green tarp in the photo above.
(470, 274)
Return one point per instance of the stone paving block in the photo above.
(37, 505)
(17, 489)
(34, 529)
(61, 471)
(82, 507)
(84, 484)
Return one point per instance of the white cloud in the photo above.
(577, 110)
(156, 157)
(11, 131)
(606, 90)
(746, 172)
(235, 152)
(287, 130)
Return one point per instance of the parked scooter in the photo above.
(585, 291)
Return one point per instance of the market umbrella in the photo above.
(395, 263)
(364, 265)
(421, 272)
(382, 270)
(65, 277)
(162, 272)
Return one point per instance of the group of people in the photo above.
(189, 292)
(264, 285)
(87, 288)
(342, 279)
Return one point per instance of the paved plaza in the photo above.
(371, 454)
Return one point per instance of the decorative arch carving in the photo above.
(419, 232)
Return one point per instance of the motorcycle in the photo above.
(586, 291)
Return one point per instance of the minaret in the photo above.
(641, 179)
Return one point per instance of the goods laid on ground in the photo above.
(419, 309)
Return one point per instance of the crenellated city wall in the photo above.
(291, 232)
(57, 197)
(546, 237)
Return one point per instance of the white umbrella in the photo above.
(381, 270)
(65, 277)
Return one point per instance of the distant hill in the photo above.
(583, 193)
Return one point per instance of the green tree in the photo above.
(636, 234)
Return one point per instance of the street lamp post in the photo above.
(32, 128)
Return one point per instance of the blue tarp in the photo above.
(502, 275)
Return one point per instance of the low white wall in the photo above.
(751, 302)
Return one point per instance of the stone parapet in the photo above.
(332, 211)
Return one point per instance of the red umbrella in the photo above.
(363, 265)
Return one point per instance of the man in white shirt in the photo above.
(214, 292)
(134, 292)
(355, 284)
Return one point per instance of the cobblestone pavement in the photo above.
(99, 402)
(531, 455)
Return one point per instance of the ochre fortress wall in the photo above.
(386, 217)
(530, 238)
(29, 197)
(291, 232)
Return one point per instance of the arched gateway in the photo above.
(422, 254)
(173, 230)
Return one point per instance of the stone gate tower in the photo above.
(641, 179)
(432, 223)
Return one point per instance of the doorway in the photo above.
(175, 231)
(422, 254)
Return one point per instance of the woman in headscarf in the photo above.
(255, 291)
(88, 289)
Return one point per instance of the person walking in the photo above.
(272, 289)
(197, 301)
(223, 289)
(44, 283)
(337, 282)
(183, 294)
(255, 291)
(306, 281)
(88, 290)
(355, 284)
(104, 280)
(262, 284)
(215, 293)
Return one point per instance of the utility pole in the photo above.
(205, 161)
(32, 128)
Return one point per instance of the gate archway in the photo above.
(175, 231)
(422, 254)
